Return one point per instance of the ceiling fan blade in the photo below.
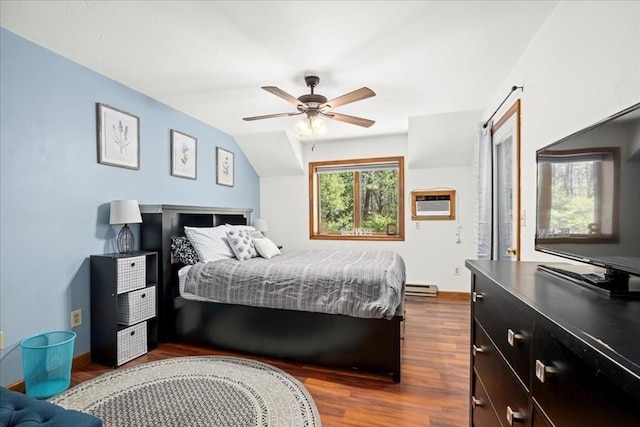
(271, 116)
(359, 121)
(282, 94)
(356, 95)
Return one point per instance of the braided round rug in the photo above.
(195, 391)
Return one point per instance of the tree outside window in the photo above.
(578, 195)
(357, 199)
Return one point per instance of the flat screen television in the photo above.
(588, 202)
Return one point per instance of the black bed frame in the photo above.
(371, 345)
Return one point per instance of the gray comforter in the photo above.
(367, 284)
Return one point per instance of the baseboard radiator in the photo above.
(421, 290)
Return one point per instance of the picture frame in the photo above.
(184, 155)
(224, 167)
(118, 137)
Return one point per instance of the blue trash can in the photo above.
(46, 361)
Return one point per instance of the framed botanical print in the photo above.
(184, 155)
(224, 167)
(118, 137)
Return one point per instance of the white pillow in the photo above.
(209, 242)
(266, 248)
(242, 227)
(256, 234)
(242, 244)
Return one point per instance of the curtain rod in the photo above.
(513, 89)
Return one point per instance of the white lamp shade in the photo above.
(261, 224)
(125, 212)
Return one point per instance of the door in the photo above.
(506, 185)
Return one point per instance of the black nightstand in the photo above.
(123, 306)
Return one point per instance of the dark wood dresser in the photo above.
(548, 352)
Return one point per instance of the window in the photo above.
(360, 199)
(578, 195)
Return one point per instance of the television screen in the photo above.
(588, 199)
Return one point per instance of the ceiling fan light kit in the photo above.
(310, 126)
(315, 105)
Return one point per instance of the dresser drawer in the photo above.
(565, 385)
(539, 419)
(132, 342)
(136, 306)
(483, 414)
(131, 273)
(508, 397)
(506, 323)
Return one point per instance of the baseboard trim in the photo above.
(451, 295)
(78, 362)
(421, 290)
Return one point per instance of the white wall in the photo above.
(582, 66)
(430, 252)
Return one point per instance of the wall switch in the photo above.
(456, 270)
(1, 340)
(76, 318)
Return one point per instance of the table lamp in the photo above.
(125, 212)
(261, 225)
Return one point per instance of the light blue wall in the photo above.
(54, 195)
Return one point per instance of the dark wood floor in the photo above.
(435, 374)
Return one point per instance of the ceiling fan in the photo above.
(314, 104)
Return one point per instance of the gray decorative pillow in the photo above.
(241, 244)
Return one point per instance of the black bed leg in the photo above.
(397, 341)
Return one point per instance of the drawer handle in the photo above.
(476, 402)
(476, 349)
(542, 370)
(513, 338)
(476, 296)
(143, 295)
(132, 333)
(513, 416)
(133, 264)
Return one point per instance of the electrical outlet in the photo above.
(1, 340)
(456, 270)
(76, 318)
(417, 225)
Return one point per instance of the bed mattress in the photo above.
(365, 284)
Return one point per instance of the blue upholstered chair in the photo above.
(17, 409)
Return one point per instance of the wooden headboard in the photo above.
(162, 222)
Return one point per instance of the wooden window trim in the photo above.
(545, 196)
(314, 196)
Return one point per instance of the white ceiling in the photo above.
(209, 59)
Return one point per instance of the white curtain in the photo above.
(483, 192)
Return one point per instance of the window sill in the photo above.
(379, 238)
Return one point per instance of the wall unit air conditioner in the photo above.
(433, 205)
